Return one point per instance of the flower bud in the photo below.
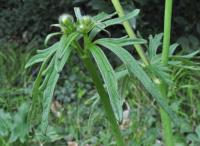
(87, 20)
(85, 24)
(66, 19)
(82, 28)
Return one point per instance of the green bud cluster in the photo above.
(84, 25)
(66, 22)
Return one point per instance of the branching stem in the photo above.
(129, 30)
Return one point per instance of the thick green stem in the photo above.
(166, 121)
(167, 31)
(129, 30)
(104, 99)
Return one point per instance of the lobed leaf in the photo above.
(109, 79)
(49, 88)
(135, 69)
(65, 43)
(36, 105)
(42, 55)
(47, 98)
(111, 22)
(154, 43)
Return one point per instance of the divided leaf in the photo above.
(111, 22)
(135, 69)
(49, 86)
(65, 43)
(36, 105)
(109, 79)
(47, 98)
(42, 55)
(154, 43)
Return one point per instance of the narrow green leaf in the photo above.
(47, 98)
(49, 68)
(49, 90)
(99, 16)
(121, 74)
(47, 73)
(110, 80)
(62, 62)
(114, 21)
(188, 56)
(122, 19)
(123, 41)
(42, 55)
(36, 105)
(49, 36)
(154, 43)
(172, 49)
(65, 43)
(103, 16)
(135, 69)
(77, 13)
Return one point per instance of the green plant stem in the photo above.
(166, 121)
(129, 30)
(167, 31)
(104, 99)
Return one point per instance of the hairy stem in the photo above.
(104, 99)
(129, 30)
(166, 121)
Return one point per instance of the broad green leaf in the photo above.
(111, 22)
(5, 123)
(198, 131)
(135, 70)
(51, 135)
(42, 55)
(123, 41)
(20, 127)
(109, 79)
